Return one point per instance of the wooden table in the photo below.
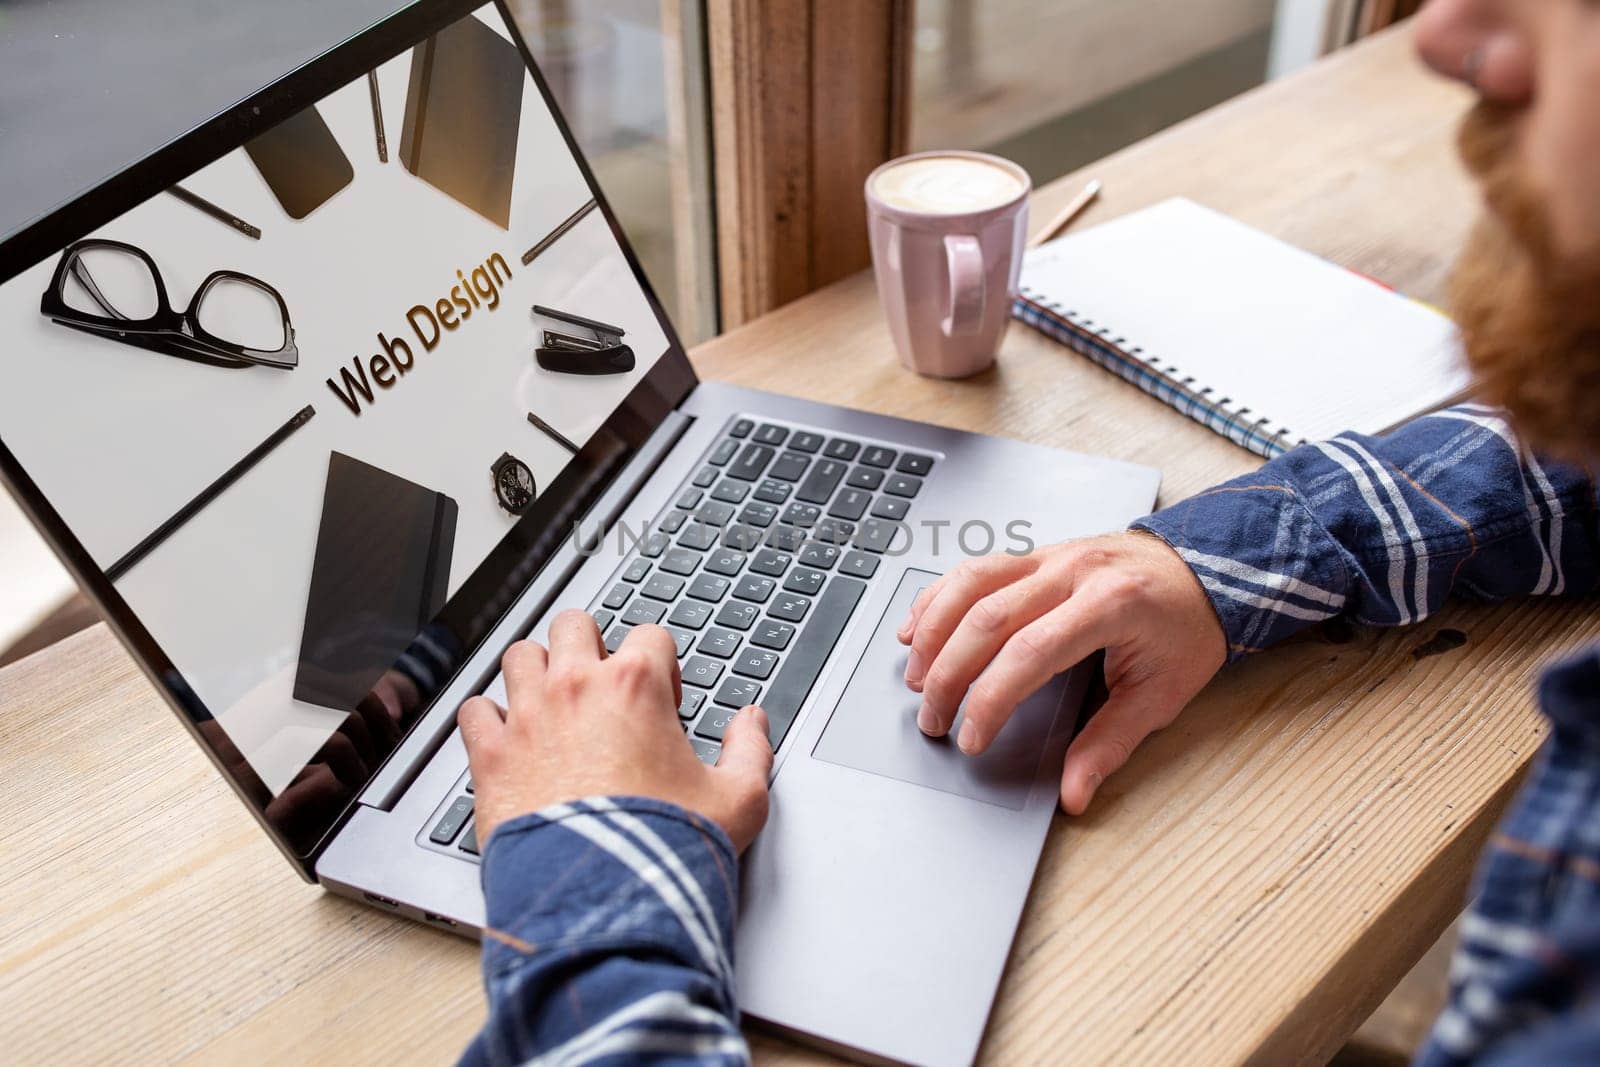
(1247, 889)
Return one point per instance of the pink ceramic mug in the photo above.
(948, 230)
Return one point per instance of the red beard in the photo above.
(1530, 318)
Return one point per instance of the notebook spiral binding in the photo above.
(1163, 380)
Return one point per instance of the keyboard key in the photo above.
(602, 618)
(877, 456)
(804, 580)
(653, 545)
(680, 561)
(889, 507)
(643, 613)
(672, 521)
(754, 587)
(730, 492)
(706, 477)
(725, 561)
(715, 722)
(786, 538)
(773, 634)
(755, 663)
(903, 485)
(615, 637)
(702, 672)
(911, 463)
(769, 434)
(831, 531)
(636, 571)
(850, 504)
(719, 642)
(825, 476)
(450, 823)
(715, 513)
(819, 555)
(693, 700)
(469, 840)
(751, 462)
(698, 536)
(722, 453)
(737, 692)
(617, 597)
(789, 607)
(709, 587)
(737, 616)
(865, 478)
(705, 751)
(798, 514)
(771, 563)
(859, 565)
(877, 535)
(663, 587)
(743, 538)
(773, 492)
(690, 614)
(741, 428)
(839, 448)
(689, 499)
(790, 467)
(802, 666)
(682, 639)
(805, 442)
(758, 514)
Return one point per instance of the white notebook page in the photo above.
(1266, 326)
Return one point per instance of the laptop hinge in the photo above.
(408, 761)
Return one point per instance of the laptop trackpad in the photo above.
(874, 726)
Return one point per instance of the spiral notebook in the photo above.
(1266, 344)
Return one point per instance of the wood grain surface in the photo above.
(1247, 889)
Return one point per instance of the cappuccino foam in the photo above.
(946, 185)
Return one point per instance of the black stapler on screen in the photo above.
(563, 353)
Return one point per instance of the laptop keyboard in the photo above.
(755, 570)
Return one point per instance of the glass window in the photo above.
(1055, 86)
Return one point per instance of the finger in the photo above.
(909, 626)
(961, 588)
(657, 653)
(978, 638)
(524, 665)
(483, 728)
(574, 638)
(1032, 656)
(1130, 715)
(742, 772)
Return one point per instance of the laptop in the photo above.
(319, 468)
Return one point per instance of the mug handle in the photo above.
(964, 257)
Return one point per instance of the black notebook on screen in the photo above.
(380, 574)
(463, 110)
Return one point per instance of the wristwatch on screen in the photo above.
(513, 483)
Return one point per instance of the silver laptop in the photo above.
(322, 433)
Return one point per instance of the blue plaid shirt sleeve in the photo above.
(609, 937)
(1382, 530)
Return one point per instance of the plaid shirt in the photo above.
(610, 921)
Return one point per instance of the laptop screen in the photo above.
(318, 409)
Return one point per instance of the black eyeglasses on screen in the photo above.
(113, 290)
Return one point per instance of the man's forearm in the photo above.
(609, 933)
(1385, 528)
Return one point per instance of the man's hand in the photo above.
(583, 724)
(1018, 621)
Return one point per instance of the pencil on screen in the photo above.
(554, 235)
(208, 494)
(1064, 218)
(200, 203)
(552, 433)
(377, 116)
